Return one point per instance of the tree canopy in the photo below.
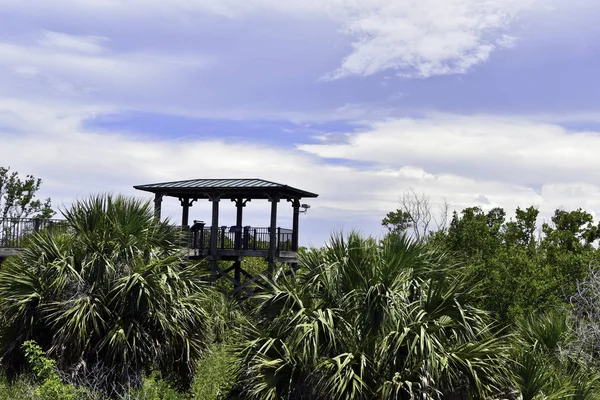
(522, 263)
(18, 196)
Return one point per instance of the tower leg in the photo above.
(213, 270)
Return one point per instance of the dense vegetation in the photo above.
(483, 307)
(367, 320)
(521, 269)
(110, 298)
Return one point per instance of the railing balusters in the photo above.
(14, 231)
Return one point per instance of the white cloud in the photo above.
(63, 41)
(483, 147)
(73, 65)
(193, 57)
(417, 38)
(424, 38)
(507, 41)
(47, 140)
(63, 78)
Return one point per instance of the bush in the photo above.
(544, 365)
(364, 319)
(154, 388)
(216, 376)
(19, 389)
(110, 298)
(50, 385)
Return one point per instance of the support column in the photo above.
(157, 206)
(273, 234)
(240, 203)
(185, 203)
(295, 224)
(214, 231)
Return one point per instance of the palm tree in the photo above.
(372, 320)
(109, 297)
(545, 362)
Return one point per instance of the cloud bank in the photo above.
(466, 160)
(66, 62)
(416, 38)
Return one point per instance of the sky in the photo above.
(490, 103)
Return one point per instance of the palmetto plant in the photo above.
(109, 294)
(372, 320)
(545, 365)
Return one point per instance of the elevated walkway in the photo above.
(14, 233)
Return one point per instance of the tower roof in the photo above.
(227, 188)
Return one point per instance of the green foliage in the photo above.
(370, 320)
(154, 388)
(19, 389)
(44, 369)
(216, 376)
(547, 331)
(17, 196)
(121, 312)
(543, 368)
(51, 389)
(110, 297)
(398, 221)
(519, 271)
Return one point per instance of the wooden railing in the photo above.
(14, 231)
(241, 238)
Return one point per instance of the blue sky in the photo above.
(490, 103)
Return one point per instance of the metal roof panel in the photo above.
(199, 187)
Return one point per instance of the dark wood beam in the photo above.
(236, 284)
(237, 273)
(244, 286)
(185, 204)
(214, 231)
(240, 203)
(273, 233)
(157, 205)
(295, 224)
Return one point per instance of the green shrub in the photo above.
(365, 319)
(215, 376)
(18, 389)
(51, 386)
(154, 388)
(111, 296)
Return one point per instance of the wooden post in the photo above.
(240, 204)
(237, 272)
(273, 234)
(185, 203)
(214, 231)
(157, 206)
(295, 224)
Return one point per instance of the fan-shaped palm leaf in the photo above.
(366, 320)
(109, 290)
